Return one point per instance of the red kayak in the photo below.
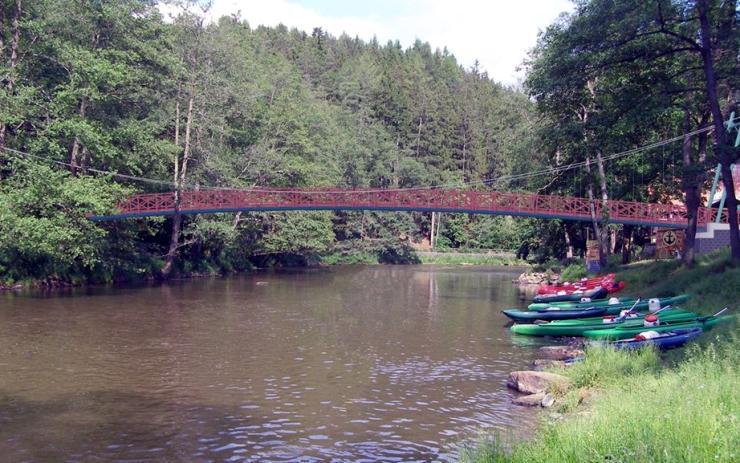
(606, 281)
(615, 286)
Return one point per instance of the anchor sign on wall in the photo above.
(670, 238)
(669, 243)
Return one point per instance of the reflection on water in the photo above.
(381, 363)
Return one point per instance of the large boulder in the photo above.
(533, 382)
(535, 278)
(560, 352)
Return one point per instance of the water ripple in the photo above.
(358, 364)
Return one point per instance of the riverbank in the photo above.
(393, 256)
(470, 258)
(646, 406)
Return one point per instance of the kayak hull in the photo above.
(586, 283)
(668, 340)
(624, 303)
(632, 331)
(577, 327)
(596, 293)
(530, 316)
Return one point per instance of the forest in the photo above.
(101, 99)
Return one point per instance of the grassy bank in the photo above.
(644, 406)
(470, 259)
(408, 256)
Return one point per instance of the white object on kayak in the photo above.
(645, 335)
(651, 320)
(561, 293)
(613, 300)
(585, 299)
(627, 314)
(654, 305)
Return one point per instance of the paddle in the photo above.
(632, 310)
(703, 319)
(664, 308)
(637, 301)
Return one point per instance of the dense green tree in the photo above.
(615, 75)
(112, 86)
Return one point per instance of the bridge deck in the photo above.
(466, 201)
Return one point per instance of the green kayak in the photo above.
(624, 332)
(579, 326)
(624, 303)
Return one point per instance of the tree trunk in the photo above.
(594, 219)
(612, 240)
(2, 60)
(85, 158)
(464, 156)
(692, 206)
(177, 121)
(16, 36)
(418, 136)
(692, 179)
(627, 243)
(2, 30)
(174, 239)
(75, 149)
(362, 226)
(439, 226)
(431, 234)
(568, 242)
(721, 148)
(76, 144)
(604, 241)
(180, 175)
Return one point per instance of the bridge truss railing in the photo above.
(485, 202)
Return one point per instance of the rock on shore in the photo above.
(533, 382)
(531, 400)
(536, 278)
(560, 352)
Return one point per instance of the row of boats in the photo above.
(621, 322)
(587, 288)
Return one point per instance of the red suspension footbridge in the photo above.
(423, 199)
(211, 201)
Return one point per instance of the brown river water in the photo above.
(359, 363)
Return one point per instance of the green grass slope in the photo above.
(643, 406)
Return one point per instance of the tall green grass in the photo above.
(603, 366)
(713, 282)
(690, 413)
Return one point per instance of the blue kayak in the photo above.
(667, 340)
(553, 313)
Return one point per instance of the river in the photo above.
(357, 363)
